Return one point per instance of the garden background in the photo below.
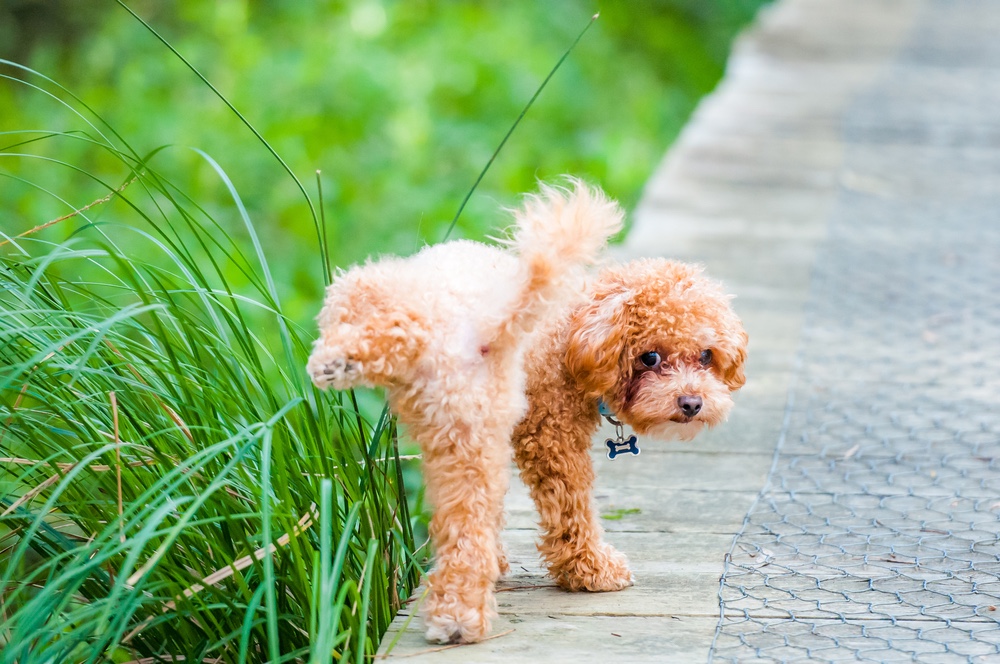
(172, 485)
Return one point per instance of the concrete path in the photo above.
(844, 182)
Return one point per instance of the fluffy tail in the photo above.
(558, 232)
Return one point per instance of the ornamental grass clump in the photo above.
(172, 485)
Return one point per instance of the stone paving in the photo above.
(877, 537)
(844, 182)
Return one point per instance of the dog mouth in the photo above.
(683, 419)
(676, 428)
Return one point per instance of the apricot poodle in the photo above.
(479, 347)
(445, 333)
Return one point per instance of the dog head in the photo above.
(661, 344)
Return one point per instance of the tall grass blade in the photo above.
(510, 131)
(243, 119)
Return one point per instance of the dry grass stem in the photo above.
(170, 411)
(66, 466)
(71, 214)
(305, 522)
(28, 495)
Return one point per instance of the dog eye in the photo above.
(705, 358)
(650, 359)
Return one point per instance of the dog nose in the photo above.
(690, 406)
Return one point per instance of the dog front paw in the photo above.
(598, 570)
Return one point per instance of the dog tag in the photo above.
(627, 446)
(619, 444)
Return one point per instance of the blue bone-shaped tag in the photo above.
(616, 447)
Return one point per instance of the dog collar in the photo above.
(603, 409)
(619, 444)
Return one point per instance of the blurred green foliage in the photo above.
(398, 103)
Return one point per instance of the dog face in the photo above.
(661, 345)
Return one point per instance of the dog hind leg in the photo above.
(466, 476)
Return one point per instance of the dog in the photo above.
(662, 347)
(445, 332)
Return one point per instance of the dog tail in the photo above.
(558, 232)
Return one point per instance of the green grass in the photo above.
(173, 486)
(619, 514)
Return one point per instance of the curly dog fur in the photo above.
(445, 332)
(480, 347)
(661, 345)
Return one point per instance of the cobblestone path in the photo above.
(877, 536)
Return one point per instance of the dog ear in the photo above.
(596, 340)
(736, 350)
